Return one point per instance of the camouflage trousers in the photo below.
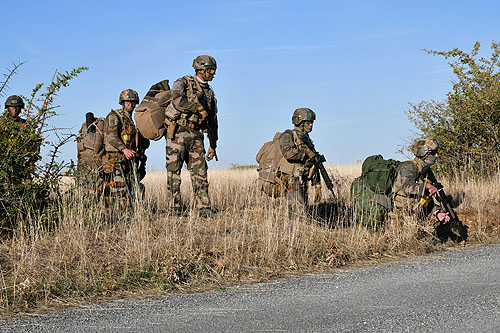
(296, 195)
(118, 183)
(187, 146)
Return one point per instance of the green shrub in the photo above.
(467, 123)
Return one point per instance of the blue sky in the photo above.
(357, 64)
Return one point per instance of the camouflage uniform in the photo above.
(298, 150)
(297, 147)
(186, 145)
(409, 189)
(12, 126)
(15, 101)
(121, 133)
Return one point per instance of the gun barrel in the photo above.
(326, 178)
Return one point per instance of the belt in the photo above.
(187, 123)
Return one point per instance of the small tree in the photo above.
(25, 184)
(467, 124)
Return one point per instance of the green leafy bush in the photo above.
(467, 123)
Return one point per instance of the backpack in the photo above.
(90, 143)
(273, 166)
(150, 114)
(371, 193)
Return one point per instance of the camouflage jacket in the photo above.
(295, 147)
(120, 133)
(408, 187)
(186, 96)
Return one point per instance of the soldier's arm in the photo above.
(179, 98)
(407, 179)
(112, 135)
(290, 150)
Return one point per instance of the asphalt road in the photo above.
(456, 290)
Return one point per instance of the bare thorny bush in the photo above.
(27, 185)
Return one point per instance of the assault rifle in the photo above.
(455, 229)
(324, 174)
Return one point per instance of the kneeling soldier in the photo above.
(413, 194)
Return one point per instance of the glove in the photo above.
(210, 154)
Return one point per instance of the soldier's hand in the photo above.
(443, 217)
(210, 154)
(431, 189)
(129, 153)
(203, 115)
(311, 156)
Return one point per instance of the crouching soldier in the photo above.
(417, 192)
(124, 161)
(298, 150)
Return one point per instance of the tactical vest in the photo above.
(128, 132)
(401, 200)
(194, 88)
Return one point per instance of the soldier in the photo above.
(13, 105)
(193, 111)
(412, 193)
(124, 159)
(14, 125)
(298, 149)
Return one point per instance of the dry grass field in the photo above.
(91, 252)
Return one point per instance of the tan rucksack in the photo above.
(150, 114)
(273, 168)
(90, 143)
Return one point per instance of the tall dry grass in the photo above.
(91, 252)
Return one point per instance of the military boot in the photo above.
(207, 212)
(179, 211)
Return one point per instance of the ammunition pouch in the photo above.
(171, 128)
(188, 123)
(171, 113)
(109, 161)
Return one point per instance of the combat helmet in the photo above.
(204, 62)
(129, 95)
(425, 146)
(303, 114)
(15, 101)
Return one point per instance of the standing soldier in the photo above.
(298, 149)
(413, 195)
(124, 147)
(193, 111)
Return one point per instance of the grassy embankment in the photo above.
(88, 255)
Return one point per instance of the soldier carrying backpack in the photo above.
(124, 149)
(289, 162)
(389, 187)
